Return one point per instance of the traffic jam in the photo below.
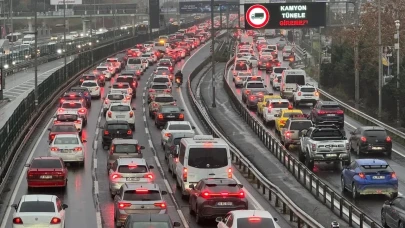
(199, 164)
(307, 125)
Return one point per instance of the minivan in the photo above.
(289, 81)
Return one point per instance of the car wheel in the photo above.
(401, 225)
(351, 147)
(355, 194)
(308, 163)
(383, 221)
(358, 151)
(342, 184)
(198, 218)
(389, 153)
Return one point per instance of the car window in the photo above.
(142, 195)
(66, 140)
(132, 169)
(37, 206)
(67, 117)
(89, 84)
(162, 79)
(120, 108)
(117, 126)
(46, 164)
(134, 61)
(375, 133)
(300, 125)
(164, 99)
(125, 148)
(115, 97)
(278, 70)
(63, 128)
(71, 105)
(308, 90)
(280, 105)
(159, 87)
(179, 127)
(208, 157)
(170, 109)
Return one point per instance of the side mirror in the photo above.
(84, 140)
(142, 147)
(64, 206)
(191, 186)
(218, 219)
(240, 185)
(164, 193)
(151, 167)
(15, 206)
(176, 224)
(49, 129)
(304, 132)
(387, 202)
(192, 127)
(182, 110)
(275, 219)
(133, 108)
(352, 132)
(27, 165)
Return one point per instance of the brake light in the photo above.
(205, 195)
(52, 136)
(123, 205)
(317, 94)
(62, 100)
(106, 101)
(168, 134)
(101, 77)
(149, 176)
(77, 149)
(230, 173)
(17, 220)
(55, 220)
(393, 175)
(255, 219)
(181, 116)
(131, 114)
(252, 98)
(363, 139)
(299, 93)
(129, 132)
(161, 205)
(313, 147)
(54, 149)
(168, 90)
(82, 111)
(290, 107)
(388, 139)
(362, 175)
(278, 64)
(287, 134)
(115, 176)
(247, 91)
(320, 112)
(184, 174)
(160, 116)
(106, 132)
(151, 90)
(282, 122)
(241, 194)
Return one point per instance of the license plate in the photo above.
(170, 116)
(120, 116)
(45, 177)
(66, 151)
(132, 178)
(224, 204)
(330, 115)
(331, 155)
(378, 177)
(377, 148)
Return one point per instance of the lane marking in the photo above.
(157, 162)
(96, 190)
(144, 118)
(94, 144)
(97, 129)
(183, 219)
(146, 130)
(150, 144)
(169, 189)
(95, 163)
(98, 219)
(99, 119)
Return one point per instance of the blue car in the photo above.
(369, 177)
(85, 92)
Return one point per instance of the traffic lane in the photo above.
(78, 194)
(252, 148)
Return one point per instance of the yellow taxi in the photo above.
(282, 118)
(262, 102)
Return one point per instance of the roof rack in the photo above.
(326, 126)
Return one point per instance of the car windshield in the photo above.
(308, 90)
(63, 128)
(279, 70)
(255, 222)
(37, 206)
(89, 84)
(179, 127)
(134, 61)
(280, 105)
(66, 140)
(66, 117)
(162, 79)
(159, 87)
(255, 85)
(164, 99)
(300, 125)
(120, 108)
(117, 126)
(120, 86)
(208, 158)
(115, 97)
(142, 195)
(125, 148)
(125, 79)
(170, 109)
(241, 67)
(132, 169)
(71, 105)
(46, 164)
(375, 133)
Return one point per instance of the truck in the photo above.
(324, 144)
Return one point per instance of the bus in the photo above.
(142, 29)
(15, 37)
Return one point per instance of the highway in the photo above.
(88, 186)
(371, 205)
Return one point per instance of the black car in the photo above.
(370, 140)
(115, 129)
(272, 63)
(92, 77)
(167, 113)
(393, 213)
(133, 83)
(215, 197)
(327, 112)
(149, 220)
(74, 96)
(85, 92)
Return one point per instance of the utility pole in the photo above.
(379, 62)
(213, 54)
(91, 30)
(227, 24)
(356, 58)
(36, 55)
(115, 25)
(64, 51)
(397, 24)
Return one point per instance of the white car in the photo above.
(107, 73)
(115, 98)
(242, 218)
(93, 87)
(115, 61)
(174, 127)
(69, 147)
(276, 82)
(241, 77)
(305, 94)
(163, 79)
(38, 210)
(75, 106)
(69, 116)
(161, 68)
(277, 71)
(145, 64)
(274, 107)
(121, 111)
(121, 87)
(252, 60)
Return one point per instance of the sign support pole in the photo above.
(214, 105)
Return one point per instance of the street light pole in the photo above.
(397, 24)
(115, 25)
(213, 54)
(64, 51)
(36, 55)
(379, 62)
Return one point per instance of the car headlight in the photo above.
(59, 51)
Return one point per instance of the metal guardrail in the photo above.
(322, 192)
(266, 187)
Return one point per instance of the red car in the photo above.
(59, 128)
(46, 172)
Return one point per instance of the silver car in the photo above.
(146, 198)
(124, 148)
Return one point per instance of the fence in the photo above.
(21, 124)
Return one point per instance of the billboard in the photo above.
(285, 15)
(205, 7)
(154, 11)
(67, 2)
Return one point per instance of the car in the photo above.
(92, 77)
(115, 129)
(112, 98)
(121, 111)
(162, 79)
(94, 88)
(63, 121)
(159, 100)
(173, 127)
(305, 94)
(133, 82)
(263, 102)
(116, 63)
(390, 211)
(167, 113)
(240, 77)
(288, 53)
(74, 106)
(69, 147)
(370, 140)
(46, 209)
(76, 96)
(157, 88)
(149, 220)
(100, 77)
(124, 148)
(129, 170)
(277, 71)
(122, 87)
(263, 61)
(271, 64)
(253, 98)
(133, 62)
(171, 148)
(327, 112)
(252, 86)
(282, 117)
(106, 71)
(46, 172)
(110, 66)
(83, 92)
(247, 218)
(291, 133)
(215, 197)
(369, 177)
(240, 67)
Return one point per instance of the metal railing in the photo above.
(266, 187)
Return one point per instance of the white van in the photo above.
(289, 81)
(28, 39)
(202, 156)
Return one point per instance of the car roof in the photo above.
(66, 136)
(124, 141)
(149, 186)
(223, 181)
(39, 197)
(126, 161)
(163, 95)
(367, 128)
(116, 122)
(369, 161)
(149, 218)
(179, 122)
(250, 213)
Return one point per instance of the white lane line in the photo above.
(95, 163)
(101, 111)
(144, 118)
(143, 110)
(98, 218)
(183, 219)
(97, 130)
(143, 94)
(99, 119)
(94, 144)
(22, 174)
(150, 143)
(169, 189)
(157, 162)
(146, 131)
(96, 191)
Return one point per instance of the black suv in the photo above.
(149, 220)
(328, 112)
(370, 140)
(115, 129)
(168, 113)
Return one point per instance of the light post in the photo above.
(379, 62)
(213, 54)
(397, 24)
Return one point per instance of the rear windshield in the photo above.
(46, 164)
(375, 133)
(179, 127)
(66, 140)
(208, 158)
(116, 97)
(295, 79)
(170, 109)
(376, 168)
(145, 55)
(255, 223)
(159, 87)
(132, 169)
(165, 62)
(255, 85)
(307, 89)
(120, 86)
(125, 79)
(331, 107)
(63, 128)
(134, 61)
(278, 70)
(280, 105)
(37, 206)
(146, 195)
(162, 72)
(300, 125)
(288, 114)
(80, 90)
(90, 77)
(254, 79)
(89, 84)
(112, 60)
(125, 148)
(117, 126)
(241, 67)
(120, 108)
(71, 105)
(242, 74)
(66, 117)
(102, 68)
(164, 99)
(162, 79)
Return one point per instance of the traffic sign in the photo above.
(257, 16)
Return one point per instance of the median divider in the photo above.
(266, 187)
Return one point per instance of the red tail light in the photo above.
(362, 175)
(54, 149)
(82, 111)
(123, 205)
(62, 100)
(109, 114)
(363, 139)
(55, 220)
(181, 116)
(168, 90)
(149, 176)
(161, 205)
(184, 174)
(17, 220)
(168, 134)
(77, 149)
(106, 101)
(106, 132)
(278, 64)
(320, 112)
(78, 121)
(101, 77)
(230, 173)
(388, 139)
(205, 195)
(299, 93)
(255, 219)
(133, 84)
(340, 112)
(160, 116)
(287, 134)
(115, 176)
(151, 90)
(252, 98)
(241, 194)
(97, 88)
(290, 107)
(131, 114)
(129, 132)
(393, 175)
